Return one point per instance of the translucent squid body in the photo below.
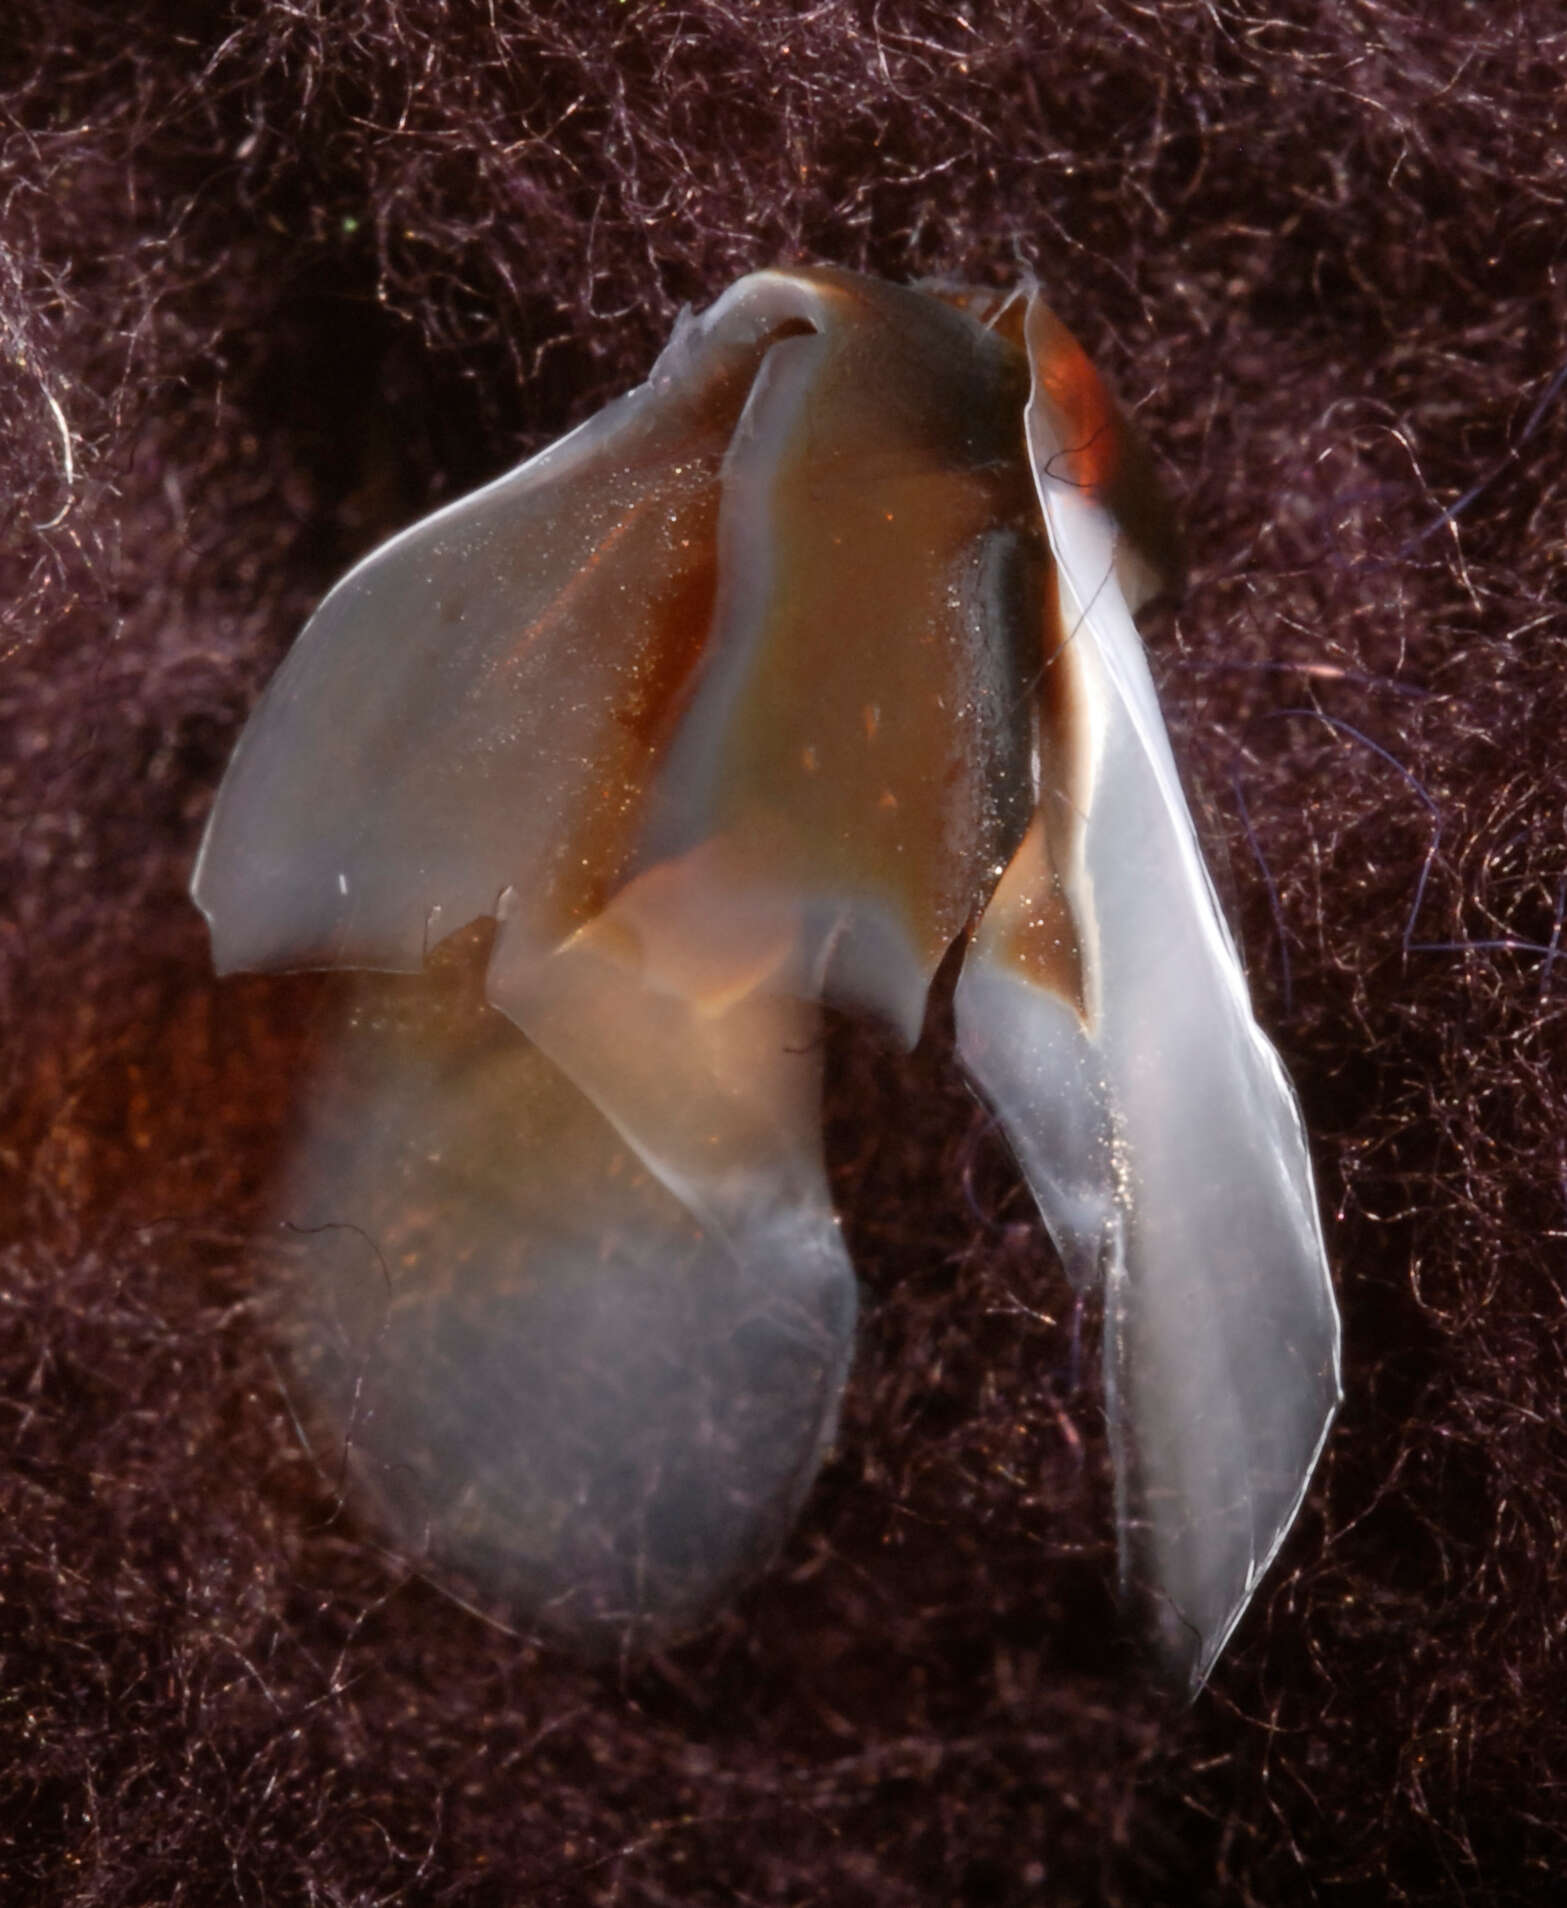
(752, 694)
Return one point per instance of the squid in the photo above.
(751, 697)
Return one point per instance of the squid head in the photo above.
(753, 695)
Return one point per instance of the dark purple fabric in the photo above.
(281, 276)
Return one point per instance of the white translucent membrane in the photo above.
(726, 705)
(1160, 1134)
(548, 1376)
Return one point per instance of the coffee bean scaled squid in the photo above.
(780, 675)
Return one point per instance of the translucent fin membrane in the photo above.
(550, 1375)
(1157, 1127)
(751, 695)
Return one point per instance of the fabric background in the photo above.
(275, 277)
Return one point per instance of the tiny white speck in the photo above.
(342, 883)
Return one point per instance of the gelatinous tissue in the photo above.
(753, 694)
